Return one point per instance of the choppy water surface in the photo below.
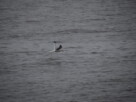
(98, 60)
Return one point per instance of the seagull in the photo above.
(56, 49)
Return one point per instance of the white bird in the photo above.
(56, 49)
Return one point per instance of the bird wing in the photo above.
(60, 47)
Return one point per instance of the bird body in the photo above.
(56, 49)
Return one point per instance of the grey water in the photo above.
(98, 60)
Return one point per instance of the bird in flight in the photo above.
(58, 49)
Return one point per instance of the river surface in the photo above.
(97, 62)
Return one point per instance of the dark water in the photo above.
(98, 60)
